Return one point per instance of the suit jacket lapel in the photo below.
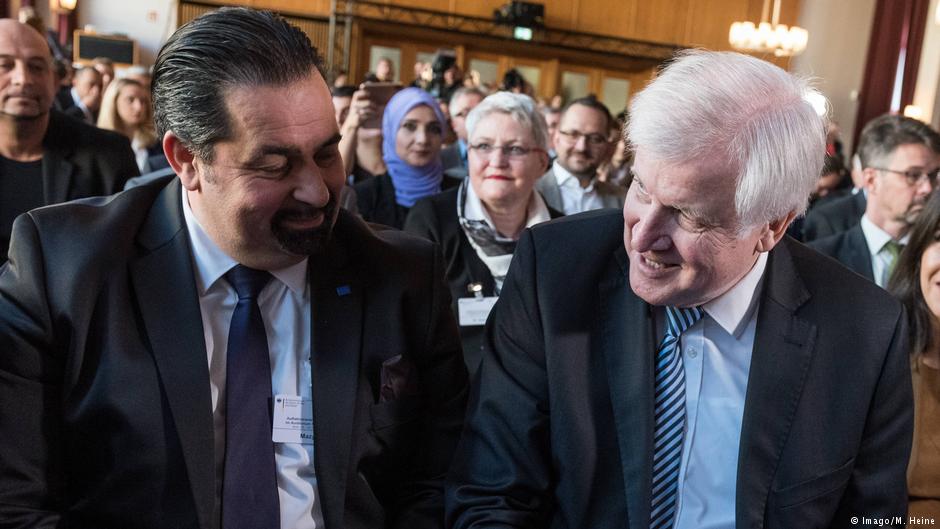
(783, 346)
(336, 297)
(859, 257)
(173, 324)
(627, 343)
(57, 173)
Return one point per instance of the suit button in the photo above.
(692, 352)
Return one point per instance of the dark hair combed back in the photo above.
(591, 101)
(882, 135)
(226, 48)
(905, 280)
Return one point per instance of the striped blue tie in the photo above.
(670, 417)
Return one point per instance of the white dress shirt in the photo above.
(716, 356)
(574, 198)
(285, 309)
(881, 258)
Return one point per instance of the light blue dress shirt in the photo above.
(716, 356)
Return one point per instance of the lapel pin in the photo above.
(343, 290)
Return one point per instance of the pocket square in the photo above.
(398, 378)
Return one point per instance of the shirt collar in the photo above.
(733, 309)
(211, 263)
(565, 178)
(462, 149)
(875, 236)
(536, 210)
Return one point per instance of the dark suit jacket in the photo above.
(435, 219)
(849, 248)
(80, 161)
(452, 162)
(375, 199)
(105, 410)
(834, 216)
(560, 425)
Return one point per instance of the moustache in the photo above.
(304, 212)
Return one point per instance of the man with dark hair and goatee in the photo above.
(226, 347)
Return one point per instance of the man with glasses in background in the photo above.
(582, 144)
(900, 158)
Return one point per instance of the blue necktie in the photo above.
(249, 484)
(669, 417)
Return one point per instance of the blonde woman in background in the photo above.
(126, 108)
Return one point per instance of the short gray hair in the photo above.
(884, 134)
(519, 107)
(753, 115)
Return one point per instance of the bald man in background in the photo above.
(45, 156)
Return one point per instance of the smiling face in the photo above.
(27, 83)
(419, 137)
(682, 234)
(269, 197)
(572, 140)
(499, 179)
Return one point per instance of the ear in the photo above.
(182, 160)
(774, 231)
(869, 178)
(546, 161)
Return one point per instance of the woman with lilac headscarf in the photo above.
(412, 132)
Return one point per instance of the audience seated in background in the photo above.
(454, 156)
(900, 158)
(834, 182)
(384, 70)
(412, 131)
(583, 143)
(916, 282)
(478, 223)
(126, 108)
(86, 95)
(47, 157)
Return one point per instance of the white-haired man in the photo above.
(685, 365)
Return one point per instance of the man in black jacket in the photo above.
(45, 156)
(226, 347)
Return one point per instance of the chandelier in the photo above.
(768, 37)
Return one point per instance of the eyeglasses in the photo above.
(593, 139)
(914, 177)
(515, 152)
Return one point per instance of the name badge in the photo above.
(474, 311)
(293, 420)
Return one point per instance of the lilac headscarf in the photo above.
(411, 182)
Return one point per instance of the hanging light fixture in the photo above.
(768, 37)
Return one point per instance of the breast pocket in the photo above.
(811, 503)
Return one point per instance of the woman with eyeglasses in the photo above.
(916, 282)
(412, 133)
(478, 223)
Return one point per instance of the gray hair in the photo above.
(466, 91)
(752, 115)
(223, 49)
(519, 107)
(882, 135)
